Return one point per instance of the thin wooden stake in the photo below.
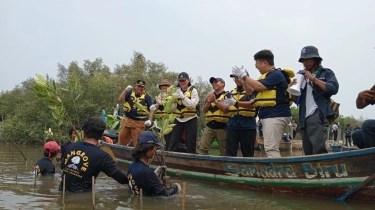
(183, 193)
(16, 172)
(93, 192)
(35, 174)
(63, 200)
(141, 198)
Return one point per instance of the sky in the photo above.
(202, 37)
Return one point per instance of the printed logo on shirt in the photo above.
(36, 170)
(76, 162)
(132, 185)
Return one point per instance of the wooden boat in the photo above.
(340, 148)
(326, 175)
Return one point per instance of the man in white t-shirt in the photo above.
(335, 128)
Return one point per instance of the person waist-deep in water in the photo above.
(141, 176)
(83, 160)
(45, 166)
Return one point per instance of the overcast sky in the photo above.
(201, 37)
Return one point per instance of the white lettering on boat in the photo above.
(272, 171)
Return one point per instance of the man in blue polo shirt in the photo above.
(135, 119)
(271, 99)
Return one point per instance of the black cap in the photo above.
(212, 79)
(309, 52)
(141, 82)
(183, 76)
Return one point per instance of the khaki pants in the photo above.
(273, 129)
(208, 138)
(131, 130)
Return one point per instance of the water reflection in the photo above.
(17, 191)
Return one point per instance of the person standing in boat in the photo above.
(271, 99)
(241, 126)
(314, 110)
(348, 134)
(365, 137)
(83, 160)
(335, 129)
(140, 176)
(186, 109)
(216, 118)
(157, 108)
(135, 119)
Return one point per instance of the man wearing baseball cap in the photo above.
(141, 176)
(216, 118)
(135, 119)
(314, 109)
(45, 166)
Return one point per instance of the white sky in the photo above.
(201, 37)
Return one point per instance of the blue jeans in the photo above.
(365, 137)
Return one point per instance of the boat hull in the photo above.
(327, 175)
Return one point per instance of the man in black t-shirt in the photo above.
(140, 175)
(82, 160)
(45, 166)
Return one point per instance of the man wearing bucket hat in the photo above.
(216, 118)
(314, 110)
(157, 108)
(45, 166)
(135, 119)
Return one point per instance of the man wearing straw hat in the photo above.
(314, 110)
(157, 108)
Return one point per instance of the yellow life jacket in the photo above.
(236, 110)
(181, 110)
(214, 113)
(160, 111)
(276, 95)
(130, 103)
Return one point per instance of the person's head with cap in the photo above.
(218, 84)
(183, 80)
(93, 129)
(264, 61)
(163, 86)
(50, 149)
(310, 58)
(148, 143)
(140, 87)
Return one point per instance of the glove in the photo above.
(180, 94)
(148, 123)
(153, 108)
(159, 170)
(178, 187)
(229, 102)
(239, 72)
(128, 88)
